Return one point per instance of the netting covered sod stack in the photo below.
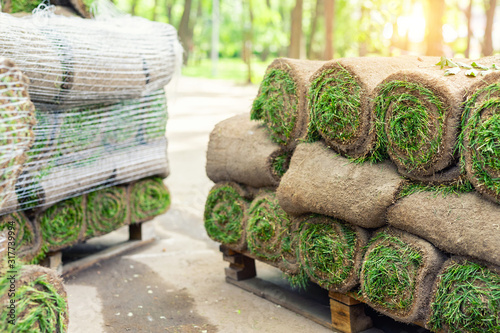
(390, 195)
(83, 117)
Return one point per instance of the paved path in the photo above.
(177, 283)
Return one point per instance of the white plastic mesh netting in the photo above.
(100, 107)
(73, 61)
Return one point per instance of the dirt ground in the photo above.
(177, 283)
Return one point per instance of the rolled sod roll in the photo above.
(16, 126)
(225, 214)
(320, 181)
(281, 102)
(418, 119)
(466, 297)
(331, 252)
(241, 151)
(148, 198)
(340, 101)
(62, 224)
(34, 51)
(40, 299)
(464, 224)
(74, 62)
(481, 136)
(267, 228)
(131, 163)
(106, 210)
(25, 234)
(397, 274)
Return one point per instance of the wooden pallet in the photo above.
(346, 314)
(54, 261)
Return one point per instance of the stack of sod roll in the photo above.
(84, 117)
(392, 191)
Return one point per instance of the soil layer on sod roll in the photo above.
(16, 124)
(40, 299)
(418, 119)
(106, 210)
(464, 224)
(267, 228)
(320, 181)
(466, 298)
(225, 214)
(340, 101)
(241, 151)
(282, 99)
(331, 252)
(62, 224)
(148, 198)
(25, 234)
(398, 273)
(481, 136)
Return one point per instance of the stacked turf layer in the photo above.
(333, 205)
(340, 102)
(281, 103)
(320, 181)
(99, 212)
(72, 61)
(80, 149)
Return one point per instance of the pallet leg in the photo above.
(135, 231)
(240, 267)
(53, 260)
(348, 314)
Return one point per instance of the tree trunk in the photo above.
(468, 15)
(296, 31)
(329, 24)
(184, 33)
(434, 33)
(490, 6)
(363, 46)
(155, 7)
(169, 4)
(314, 24)
(133, 6)
(7, 6)
(248, 40)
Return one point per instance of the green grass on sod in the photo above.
(61, 223)
(267, 227)
(224, 214)
(334, 99)
(106, 210)
(328, 251)
(467, 299)
(390, 271)
(39, 306)
(277, 105)
(481, 123)
(414, 133)
(148, 198)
